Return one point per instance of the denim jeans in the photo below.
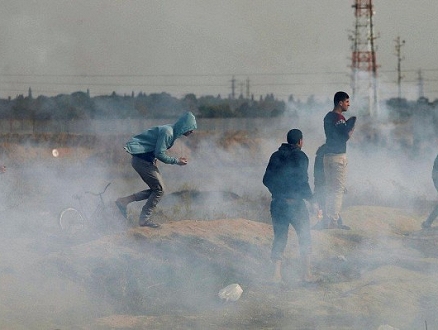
(284, 213)
(434, 214)
(150, 174)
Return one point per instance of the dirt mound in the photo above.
(377, 273)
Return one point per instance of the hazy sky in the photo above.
(182, 46)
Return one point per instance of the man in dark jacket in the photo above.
(434, 214)
(287, 179)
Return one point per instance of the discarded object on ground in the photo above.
(386, 327)
(341, 257)
(231, 292)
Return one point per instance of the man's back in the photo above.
(286, 174)
(435, 173)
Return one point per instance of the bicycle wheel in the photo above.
(71, 221)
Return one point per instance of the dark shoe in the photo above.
(311, 279)
(122, 208)
(342, 226)
(425, 225)
(332, 224)
(149, 224)
(320, 225)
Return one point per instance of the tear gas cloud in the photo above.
(33, 192)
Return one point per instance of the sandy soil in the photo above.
(115, 275)
(382, 272)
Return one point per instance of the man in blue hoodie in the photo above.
(434, 214)
(146, 148)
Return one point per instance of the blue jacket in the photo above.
(286, 174)
(435, 173)
(158, 139)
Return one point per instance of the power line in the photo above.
(170, 75)
(169, 85)
(111, 84)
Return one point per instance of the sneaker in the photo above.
(320, 225)
(122, 208)
(342, 226)
(311, 279)
(149, 224)
(425, 225)
(332, 224)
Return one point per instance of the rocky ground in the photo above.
(382, 272)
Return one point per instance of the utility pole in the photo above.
(420, 85)
(247, 88)
(398, 45)
(233, 88)
(363, 59)
(242, 85)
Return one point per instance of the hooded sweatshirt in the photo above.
(154, 142)
(286, 174)
(435, 173)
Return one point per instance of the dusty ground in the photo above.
(115, 275)
(381, 272)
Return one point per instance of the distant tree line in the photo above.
(401, 109)
(79, 105)
(421, 114)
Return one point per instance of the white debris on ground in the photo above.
(231, 292)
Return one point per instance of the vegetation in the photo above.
(80, 105)
(420, 116)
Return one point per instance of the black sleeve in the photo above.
(305, 190)
(318, 167)
(269, 176)
(435, 172)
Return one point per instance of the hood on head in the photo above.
(187, 122)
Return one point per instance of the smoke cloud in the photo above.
(223, 180)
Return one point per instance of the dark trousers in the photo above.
(434, 214)
(283, 213)
(150, 174)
